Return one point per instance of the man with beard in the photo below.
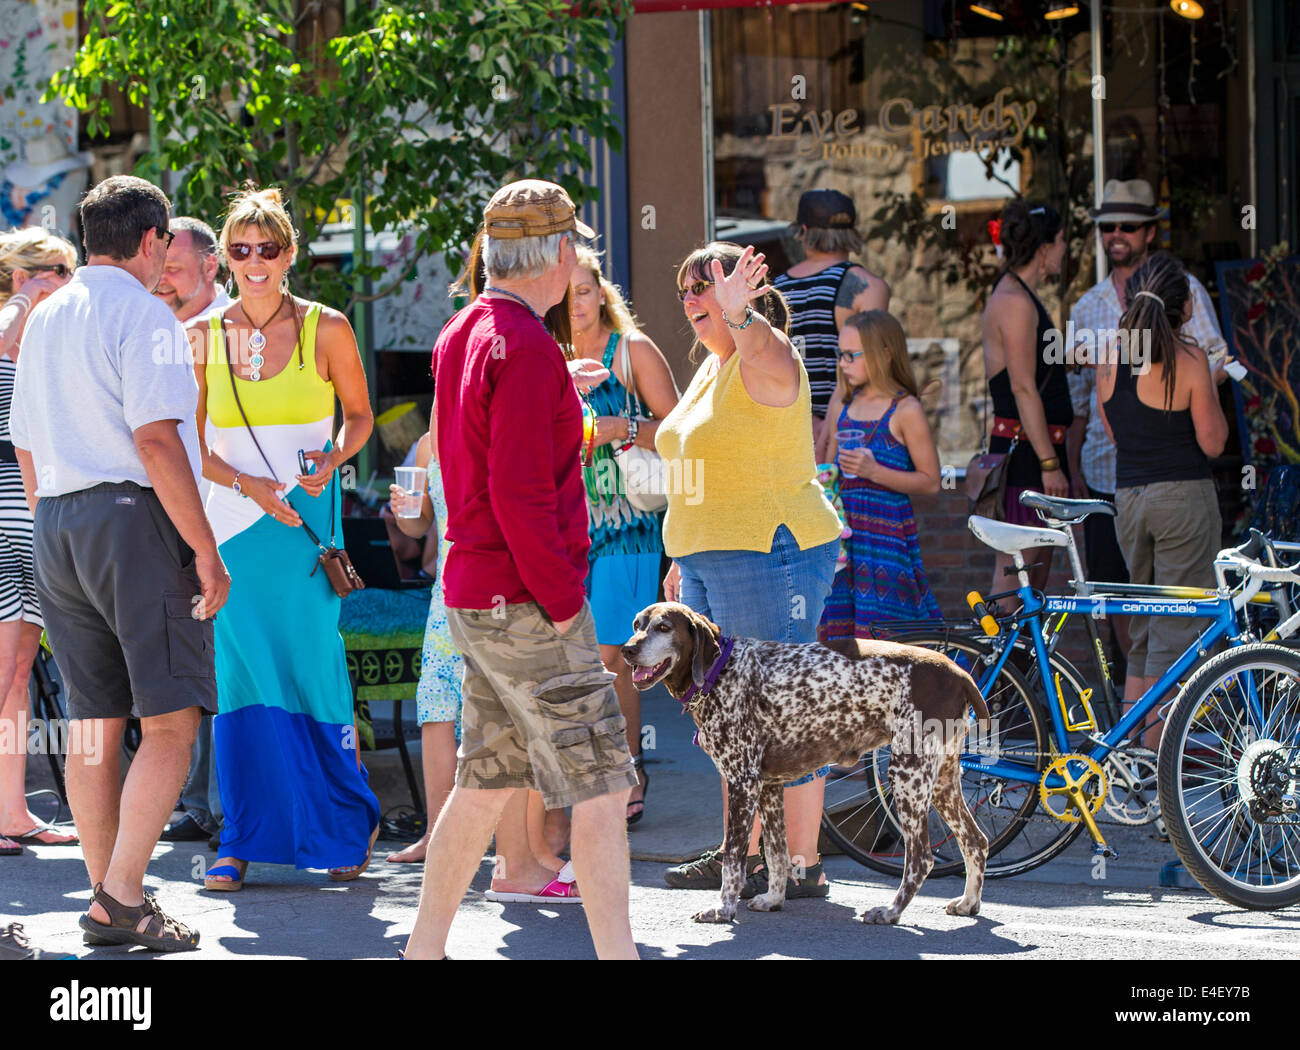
(1126, 218)
(189, 280)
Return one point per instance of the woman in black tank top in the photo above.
(1167, 511)
(1035, 420)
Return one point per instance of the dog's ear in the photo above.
(704, 634)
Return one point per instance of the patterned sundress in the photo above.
(437, 697)
(884, 578)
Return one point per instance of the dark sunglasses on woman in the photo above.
(694, 288)
(267, 250)
(60, 269)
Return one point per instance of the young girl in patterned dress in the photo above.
(876, 393)
(437, 697)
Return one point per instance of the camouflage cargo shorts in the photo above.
(540, 709)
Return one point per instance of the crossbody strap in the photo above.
(234, 389)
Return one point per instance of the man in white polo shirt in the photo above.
(127, 568)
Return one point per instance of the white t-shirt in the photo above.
(99, 360)
(219, 302)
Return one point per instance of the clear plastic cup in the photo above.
(851, 439)
(411, 481)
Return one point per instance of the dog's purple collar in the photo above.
(710, 680)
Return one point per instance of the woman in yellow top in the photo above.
(752, 536)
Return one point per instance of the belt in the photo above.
(7, 454)
(1010, 428)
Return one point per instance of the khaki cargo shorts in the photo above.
(540, 709)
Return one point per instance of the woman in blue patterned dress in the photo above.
(437, 697)
(876, 394)
(626, 546)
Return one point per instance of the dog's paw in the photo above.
(714, 915)
(880, 917)
(960, 906)
(767, 902)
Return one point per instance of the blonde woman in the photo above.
(626, 546)
(33, 265)
(886, 455)
(293, 790)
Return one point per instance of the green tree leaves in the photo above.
(431, 106)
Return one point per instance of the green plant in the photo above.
(428, 104)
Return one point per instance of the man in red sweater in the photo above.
(539, 707)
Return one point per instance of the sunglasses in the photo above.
(165, 233)
(694, 288)
(267, 250)
(61, 269)
(1122, 227)
(851, 355)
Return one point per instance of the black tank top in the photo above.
(1151, 444)
(1053, 386)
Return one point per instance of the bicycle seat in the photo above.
(1067, 511)
(1007, 538)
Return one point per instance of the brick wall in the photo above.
(957, 563)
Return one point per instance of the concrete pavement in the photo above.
(1058, 911)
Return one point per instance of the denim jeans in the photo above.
(774, 597)
(201, 799)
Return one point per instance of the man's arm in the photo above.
(521, 479)
(29, 476)
(166, 462)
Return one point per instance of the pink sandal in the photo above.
(563, 889)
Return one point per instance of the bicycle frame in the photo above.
(1222, 611)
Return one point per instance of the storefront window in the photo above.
(931, 117)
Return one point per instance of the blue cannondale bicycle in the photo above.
(1060, 756)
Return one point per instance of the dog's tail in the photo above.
(976, 700)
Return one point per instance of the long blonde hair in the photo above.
(28, 249)
(615, 314)
(884, 354)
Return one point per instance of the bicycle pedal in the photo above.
(1105, 851)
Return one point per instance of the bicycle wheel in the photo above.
(1227, 771)
(859, 814)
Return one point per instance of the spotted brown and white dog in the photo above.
(769, 712)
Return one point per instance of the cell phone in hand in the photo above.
(302, 462)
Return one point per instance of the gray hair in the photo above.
(521, 258)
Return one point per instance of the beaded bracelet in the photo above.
(749, 319)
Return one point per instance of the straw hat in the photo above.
(1130, 201)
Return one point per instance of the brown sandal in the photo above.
(161, 934)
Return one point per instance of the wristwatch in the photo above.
(237, 486)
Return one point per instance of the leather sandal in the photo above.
(638, 762)
(234, 877)
(162, 933)
(353, 871)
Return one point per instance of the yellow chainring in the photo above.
(1086, 786)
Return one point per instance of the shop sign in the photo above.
(954, 128)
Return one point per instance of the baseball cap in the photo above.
(532, 208)
(829, 209)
